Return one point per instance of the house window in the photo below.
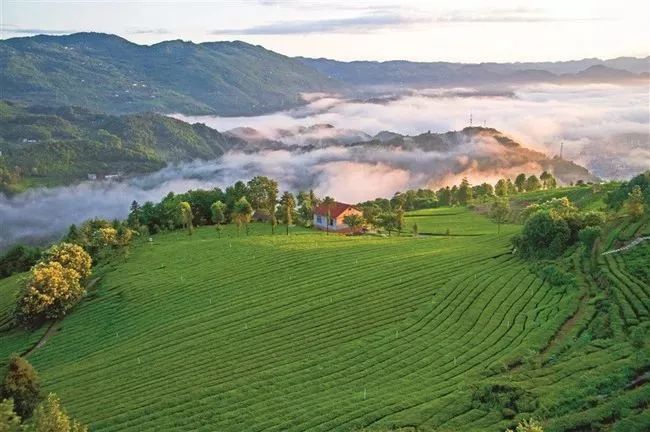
(332, 222)
(319, 219)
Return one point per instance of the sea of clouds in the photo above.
(604, 127)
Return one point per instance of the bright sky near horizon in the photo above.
(450, 30)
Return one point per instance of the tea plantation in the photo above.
(444, 332)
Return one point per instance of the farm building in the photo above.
(337, 211)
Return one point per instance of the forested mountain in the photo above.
(110, 74)
(70, 143)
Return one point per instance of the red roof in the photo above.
(335, 209)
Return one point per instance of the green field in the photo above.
(326, 332)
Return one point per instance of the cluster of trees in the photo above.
(23, 407)
(551, 227)
(99, 236)
(9, 177)
(464, 193)
(55, 284)
(238, 204)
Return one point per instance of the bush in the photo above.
(545, 235)
(556, 276)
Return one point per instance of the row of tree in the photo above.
(238, 204)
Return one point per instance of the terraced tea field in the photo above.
(318, 332)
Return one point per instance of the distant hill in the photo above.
(70, 143)
(110, 74)
(422, 74)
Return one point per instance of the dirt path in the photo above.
(628, 246)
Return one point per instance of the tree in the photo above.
(242, 214)
(185, 215)
(306, 205)
(135, 214)
(9, 420)
(501, 188)
(50, 292)
(415, 230)
(218, 214)
(287, 207)
(520, 182)
(499, 211)
(548, 181)
(464, 193)
(399, 220)
(263, 195)
(71, 256)
(49, 416)
(635, 203)
(510, 187)
(387, 221)
(354, 221)
(532, 184)
(21, 383)
(370, 214)
(328, 202)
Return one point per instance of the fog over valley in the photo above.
(604, 127)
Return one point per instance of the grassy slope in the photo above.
(317, 332)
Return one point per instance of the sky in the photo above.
(441, 30)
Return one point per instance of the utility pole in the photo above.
(470, 119)
(561, 148)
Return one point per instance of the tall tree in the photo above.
(520, 182)
(464, 192)
(387, 221)
(501, 188)
(499, 211)
(263, 196)
(287, 207)
(242, 213)
(548, 181)
(218, 214)
(328, 202)
(9, 420)
(399, 220)
(21, 383)
(185, 215)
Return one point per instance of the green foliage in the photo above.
(637, 260)
(503, 396)
(18, 259)
(242, 213)
(185, 216)
(589, 235)
(532, 184)
(21, 384)
(499, 211)
(545, 235)
(287, 209)
(616, 198)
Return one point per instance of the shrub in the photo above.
(556, 276)
(545, 235)
(21, 384)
